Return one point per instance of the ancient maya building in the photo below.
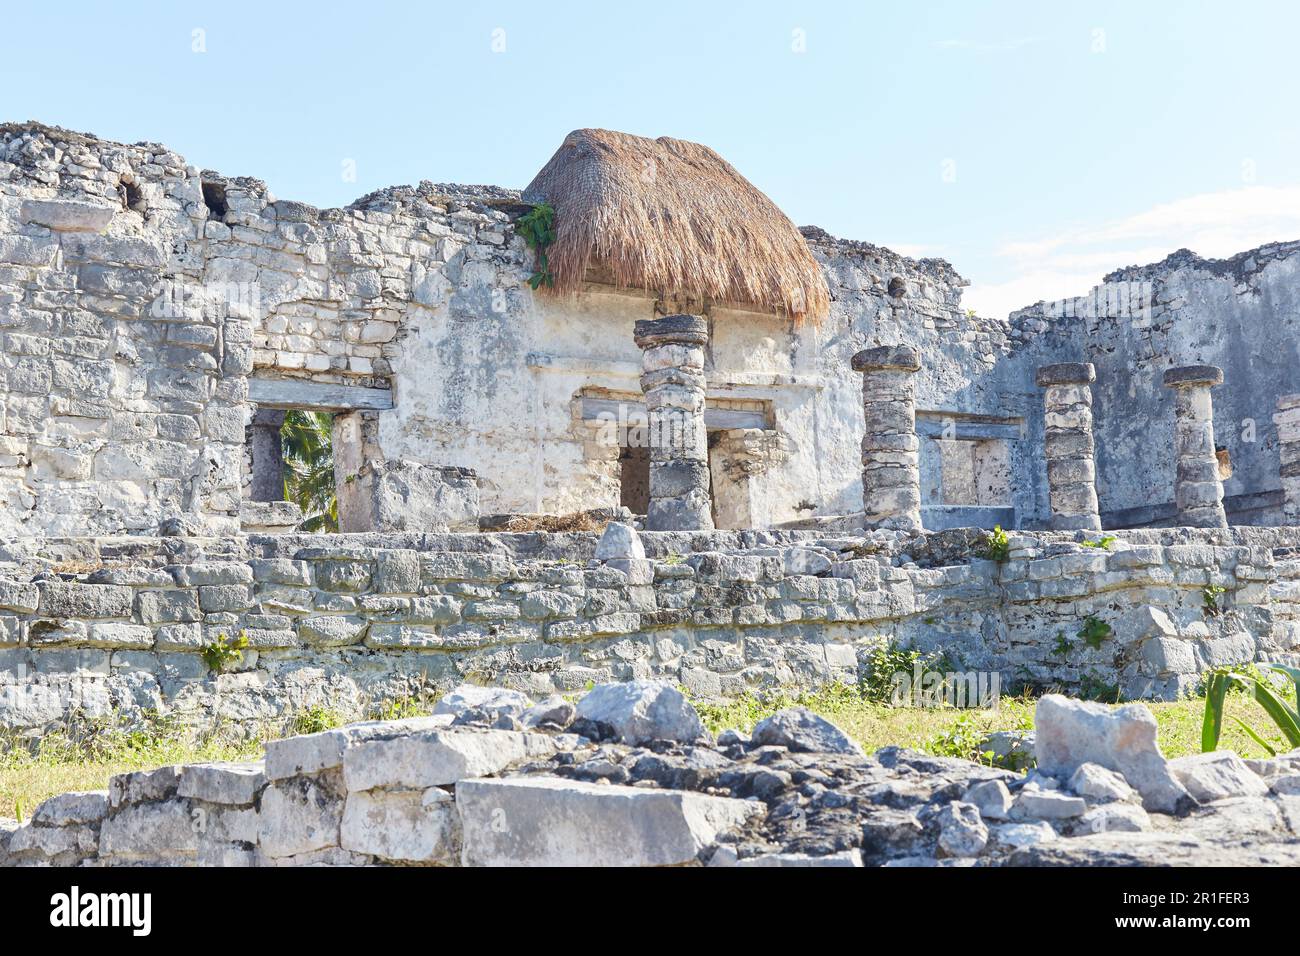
(825, 409)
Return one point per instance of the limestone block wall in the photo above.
(1240, 314)
(116, 626)
(121, 403)
(415, 792)
(139, 294)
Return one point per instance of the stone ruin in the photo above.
(780, 490)
(629, 777)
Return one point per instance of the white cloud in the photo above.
(1214, 225)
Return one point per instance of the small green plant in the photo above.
(399, 708)
(877, 684)
(673, 558)
(1062, 646)
(1092, 687)
(18, 810)
(1093, 632)
(962, 739)
(223, 653)
(1217, 684)
(316, 718)
(538, 229)
(997, 545)
(1103, 543)
(1210, 595)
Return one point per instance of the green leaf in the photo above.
(1268, 748)
(1216, 689)
(1287, 720)
(1291, 672)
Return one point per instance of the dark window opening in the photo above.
(634, 478)
(132, 197)
(898, 287)
(214, 197)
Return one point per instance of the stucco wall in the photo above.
(140, 297)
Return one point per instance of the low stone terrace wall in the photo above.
(118, 625)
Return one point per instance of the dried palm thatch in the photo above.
(673, 218)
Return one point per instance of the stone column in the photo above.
(1067, 445)
(891, 471)
(1198, 490)
(1287, 420)
(268, 455)
(672, 379)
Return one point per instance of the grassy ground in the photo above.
(85, 760)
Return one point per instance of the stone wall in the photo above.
(1240, 314)
(143, 301)
(141, 295)
(116, 626)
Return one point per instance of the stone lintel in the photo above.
(1067, 373)
(671, 330)
(902, 357)
(1189, 376)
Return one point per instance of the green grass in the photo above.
(933, 730)
(84, 758)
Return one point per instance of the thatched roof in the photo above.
(673, 218)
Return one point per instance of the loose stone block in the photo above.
(68, 809)
(1217, 776)
(547, 821)
(298, 815)
(640, 711)
(413, 826)
(1070, 733)
(439, 757)
(235, 784)
(401, 495)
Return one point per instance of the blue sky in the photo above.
(1034, 145)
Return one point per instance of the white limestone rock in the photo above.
(312, 753)
(1037, 804)
(548, 821)
(554, 713)
(1017, 836)
(65, 809)
(726, 856)
(802, 731)
(639, 711)
(1074, 732)
(1217, 776)
(298, 816)
(150, 832)
(493, 700)
(1118, 817)
(961, 831)
(439, 758)
(68, 215)
(415, 826)
(225, 783)
(1099, 784)
(991, 798)
(620, 541)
